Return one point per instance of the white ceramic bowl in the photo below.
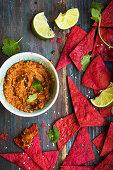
(40, 59)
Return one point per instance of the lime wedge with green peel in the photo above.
(105, 99)
(67, 20)
(40, 27)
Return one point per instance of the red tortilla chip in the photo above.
(96, 74)
(100, 48)
(84, 47)
(34, 151)
(106, 112)
(108, 144)
(50, 159)
(99, 140)
(75, 36)
(107, 16)
(76, 167)
(86, 113)
(24, 161)
(81, 151)
(106, 164)
(67, 126)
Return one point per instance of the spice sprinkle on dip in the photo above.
(27, 86)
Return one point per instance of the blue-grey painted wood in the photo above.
(15, 19)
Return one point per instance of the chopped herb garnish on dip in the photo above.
(37, 85)
(31, 98)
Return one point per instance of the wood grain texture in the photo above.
(15, 19)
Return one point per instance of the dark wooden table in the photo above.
(15, 19)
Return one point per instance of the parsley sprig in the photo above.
(96, 8)
(85, 61)
(10, 47)
(54, 134)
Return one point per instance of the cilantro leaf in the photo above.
(10, 47)
(85, 61)
(31, 98)
(95, 15)
(97, 5)
(112, 110)
(54, 134)
(37, 85)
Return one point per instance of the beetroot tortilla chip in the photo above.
(108, 144)
(100, 48)
(76, 167)
(34, 151)
(97, 76)
(67, 126)
(86, 113)
(106, 112)
(84, 47)
(99, 140)
(50, 159)
(75, 36)
(81, 151)
(24, 161)
(107, 16)
(106, 164)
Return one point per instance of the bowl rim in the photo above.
(19, 113)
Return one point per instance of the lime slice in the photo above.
(67, 20)
(105, 99)
(41, 27)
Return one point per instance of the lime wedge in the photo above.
(40, 27)
(67, 20)
(105, 99)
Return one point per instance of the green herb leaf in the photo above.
(112, 110)
(97, 5)
(10, 47)
(54, 134)
(95, 14)
(85, 61)
(37, 85)
(31, 98)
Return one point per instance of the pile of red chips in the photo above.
(97, 77)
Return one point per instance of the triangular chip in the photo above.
(97, 76)
(107, 16)
(106, 112)
(86, 114)
(100, 48)
(99, 140)
(108, 144)
(76, 167)
(67, 126)
(75, 36)
(50, 159)
(106, 164)
(84, 47)
(24, 161)
(81, 151)
(34, 151)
